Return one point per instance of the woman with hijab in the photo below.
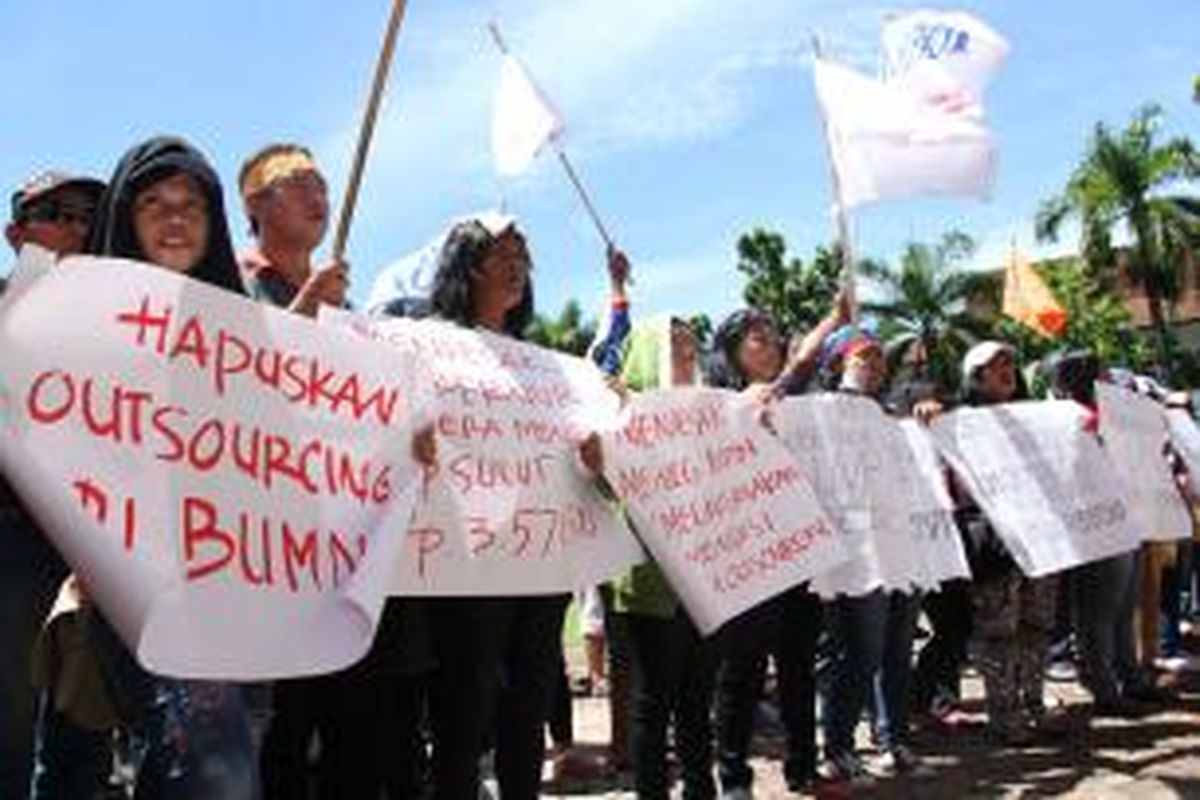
(164, 206)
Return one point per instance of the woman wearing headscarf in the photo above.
(164, 206)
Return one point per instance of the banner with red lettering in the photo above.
(1044, 482)
(724, 508)
(1135, 433)
(898, 518)
(509, 509)
(226, 479)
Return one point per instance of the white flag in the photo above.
(523, 120)
(943, 53)
(887, 141)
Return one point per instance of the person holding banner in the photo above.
(1013, 614)
(748, 355)
(872, 633)
(164, 206)
(52, 210)
(483, 281)
(284, 196)
(1104, 592)
(286, 201)
(672, 665)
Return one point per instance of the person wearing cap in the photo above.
(286, 200)
(871, 633)
(52, 210)
(1013, 615)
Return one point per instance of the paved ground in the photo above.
(1156, 756)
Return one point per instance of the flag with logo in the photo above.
(887, 141)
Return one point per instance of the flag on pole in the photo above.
(523, 119)
(935, 52)
(888, 141)
(1028, 299)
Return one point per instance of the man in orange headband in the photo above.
(286, 200)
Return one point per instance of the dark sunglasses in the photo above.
(59, 212)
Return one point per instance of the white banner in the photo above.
(510, 511)
(222, 476)
(1044, 483)
(723, 507)
(1134, 431)
(893, 508)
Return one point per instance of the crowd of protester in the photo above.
(453, 683)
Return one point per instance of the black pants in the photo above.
(496, 660)
(672, 682)
(942, 657)
(369, 720)
(562, 719)
(786, 627)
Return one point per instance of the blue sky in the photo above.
(690, 120)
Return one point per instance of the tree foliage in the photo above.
(1124, 180)
(798, 295)
(569, 332)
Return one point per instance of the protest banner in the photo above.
(509, 509)
(725, 510)
(1043, 481)
(222, 476)
(883, 499)
(1134, 431)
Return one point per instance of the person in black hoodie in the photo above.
(164, 206)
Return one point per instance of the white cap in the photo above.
(981, 355)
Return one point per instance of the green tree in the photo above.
(927, 321)
(1196, 89)
(702, 327)
(796, 294)
(569, 332)
(1122, 180)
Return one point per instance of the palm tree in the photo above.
(1122, 181)
(926, 307)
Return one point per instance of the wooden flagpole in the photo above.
(367, 129)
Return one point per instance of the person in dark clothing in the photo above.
(497, 657)
(284, 195)
(164, 206)
(748, 355)
(53, 211)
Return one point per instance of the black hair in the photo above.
(462, 254)
(113, 233)
(724, 370)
